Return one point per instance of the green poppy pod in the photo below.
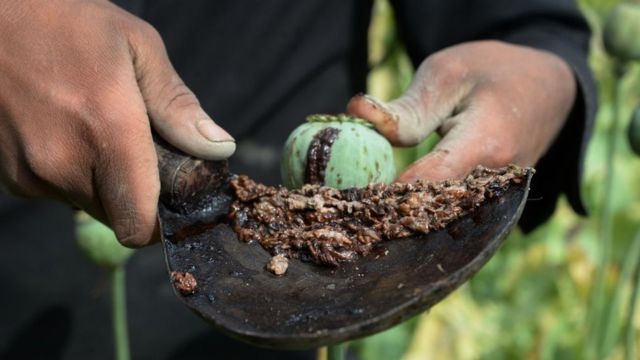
(633, 131)
(339, 151)
(99, 243)
(622, 32)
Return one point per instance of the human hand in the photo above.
(82, 84)
(493, 103)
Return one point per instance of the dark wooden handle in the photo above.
(186, 183)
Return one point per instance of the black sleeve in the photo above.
(556, 26)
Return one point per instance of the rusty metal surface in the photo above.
(311, 305)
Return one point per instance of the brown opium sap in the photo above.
(329, 226)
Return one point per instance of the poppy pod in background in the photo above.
(99, 243)
(633, 131)
(622, 31)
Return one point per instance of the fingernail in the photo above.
(404, 178)
(212, 132)
(220, 150)
(374, 101)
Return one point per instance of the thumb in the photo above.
(403, 121)
(437, 92)
(174, 110)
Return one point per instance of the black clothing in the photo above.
(259, 67)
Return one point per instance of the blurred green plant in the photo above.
(633, 131)
(391, 73)
(563, 291)
(100, 245)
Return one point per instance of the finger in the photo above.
(437, 92)
(107, 166)
(129, 190)
(470, 139)
(446, 160)
(126, 179)
(174, 110)
(393, 118)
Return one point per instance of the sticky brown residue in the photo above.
(184, 282)
(330, 226)
(319, 154)
(278, 264)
